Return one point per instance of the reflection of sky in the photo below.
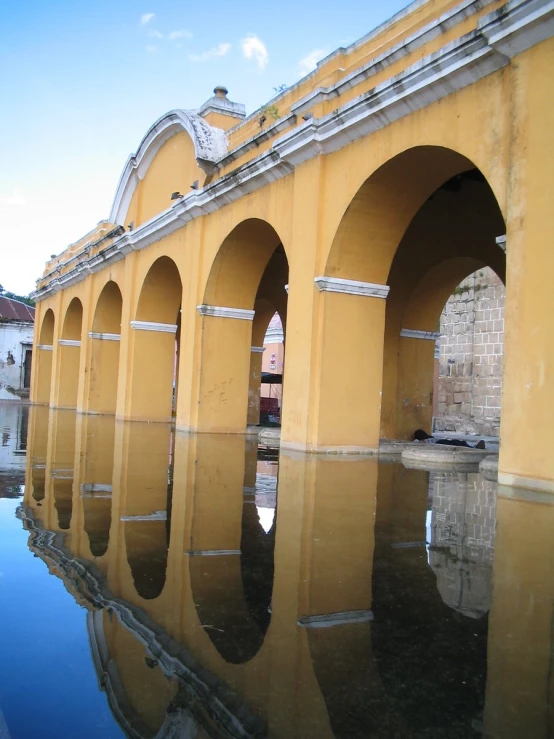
(266, 516)
(428, 522)
(48, 684)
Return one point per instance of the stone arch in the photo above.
(404, 213)
(104, 350)
(69, 355)
(43, 380)
(155, 343)
(209, 145)
(251, 265)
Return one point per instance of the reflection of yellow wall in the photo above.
(348, 215)
(520, 691)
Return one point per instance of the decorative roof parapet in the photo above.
(516, 26)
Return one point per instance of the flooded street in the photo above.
(155, 584)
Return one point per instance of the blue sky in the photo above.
(81, 82)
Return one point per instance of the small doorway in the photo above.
(27, 368)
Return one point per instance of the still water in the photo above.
(154, 584)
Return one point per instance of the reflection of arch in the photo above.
(104, 349)
(155, 342)
(231, 566)
(44, 358)
(232, 592)
(147, 543)
(69, 355)
(98, 517)
(209, 143)
(63, 499)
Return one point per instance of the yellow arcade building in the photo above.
(352, 204)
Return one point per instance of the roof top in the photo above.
(14, 310)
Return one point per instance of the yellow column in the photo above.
(103, 365)
(224, 369)
(526, 457)
(152, 367)
(416, 359)
(347, 375)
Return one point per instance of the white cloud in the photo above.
(15, 200)
(309, 62)
(254, 48)
(155, 34)
(179, 34)
(219, 50)
(151, 48)
(146, 18)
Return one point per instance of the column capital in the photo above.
(351, 287)
(168, 328)
(103, 336)
(69, 342)
(219, 311)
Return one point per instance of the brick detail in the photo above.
(471, 353)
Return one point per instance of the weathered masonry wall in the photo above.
(471, 354)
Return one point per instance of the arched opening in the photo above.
(43, 380)
(245, 287)
(104, 350)
(69, 355)
(421, 223)
(155, 343)
(453, 234)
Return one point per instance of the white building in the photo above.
(16, 344)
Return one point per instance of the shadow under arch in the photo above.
(155, 335)
(44, 359)
(104, 349)
(232, 587)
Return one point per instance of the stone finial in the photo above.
(220, 104)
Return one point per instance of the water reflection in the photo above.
(236, 592)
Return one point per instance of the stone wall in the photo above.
(470, 358)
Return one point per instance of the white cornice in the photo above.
(413, 333)
(219, 311)
(45, 347)
(257, 349)
(501, 242)
(518, 25)
(167, 328)
(69, 342)
(351, 287)
(404, 48)
(514, 27)
(103, 336)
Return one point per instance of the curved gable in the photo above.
(177, 150)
